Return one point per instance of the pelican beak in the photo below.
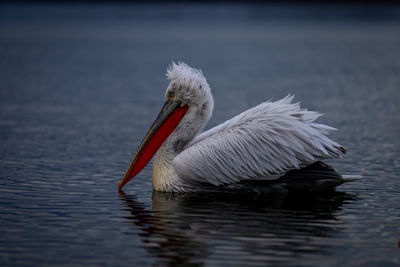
(167, 120)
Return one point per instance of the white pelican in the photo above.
(263, 143)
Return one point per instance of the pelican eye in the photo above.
(171, 95)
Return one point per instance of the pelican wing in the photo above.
(267, 140)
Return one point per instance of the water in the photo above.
(80, 85)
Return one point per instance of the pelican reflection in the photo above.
(199, 228)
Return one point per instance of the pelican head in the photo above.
(188, 105)
(187, 85)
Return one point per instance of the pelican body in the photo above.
(267, 142)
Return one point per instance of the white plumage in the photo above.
(266, 140)
(263, 142)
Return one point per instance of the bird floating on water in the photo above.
(274, 141)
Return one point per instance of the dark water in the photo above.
(80, 85)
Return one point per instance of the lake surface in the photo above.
(81, 85)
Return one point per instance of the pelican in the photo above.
(274, 141)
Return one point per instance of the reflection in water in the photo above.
(182, 228)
